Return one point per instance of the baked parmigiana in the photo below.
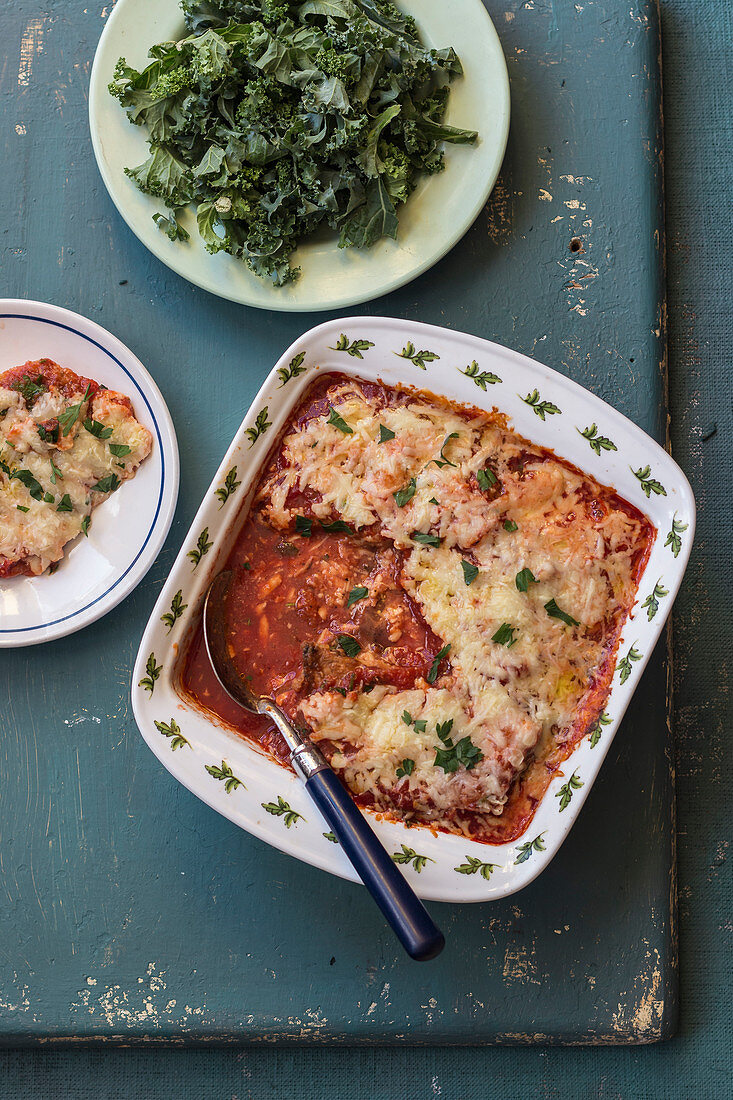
(66, 444)
(438, 599)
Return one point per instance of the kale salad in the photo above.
(276, 119)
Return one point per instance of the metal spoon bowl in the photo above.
(402, 908)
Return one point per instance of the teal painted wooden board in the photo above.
(131, 911)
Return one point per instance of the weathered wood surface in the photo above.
(129, 910)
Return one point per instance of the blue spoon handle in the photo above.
(403, 910)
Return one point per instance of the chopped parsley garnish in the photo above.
(65, 504)
(120, 450)
(28, 389)
(505, 635)
(486, 479)
(552, 609)
(48, 498)
(403, 496)
(68, 419)
(337, 525)
(434, 501)
(356, 594)
(33, 486)
(510, 525)
(443, 730)
(339, 422)
(97, 429)
(55, 472)
(86, 524)
(419, 724)
(303, 525)
(349, 645)
(524, 578)
(385, 434)
(470, 571)
(425, 538)
(107, 484)
(407, 717)
(453, 755)
(22, 507)
(443, 461)
(48, 435)
(278, 119)
(407, 767)
(439, 656)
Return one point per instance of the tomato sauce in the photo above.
(297, 624)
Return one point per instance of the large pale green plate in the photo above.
(432, 221)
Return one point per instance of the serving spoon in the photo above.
(405, 913)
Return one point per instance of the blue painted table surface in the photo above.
(104, 861)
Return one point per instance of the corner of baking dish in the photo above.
(261, 796)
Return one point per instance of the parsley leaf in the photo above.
(420, 724)
(407, 767)
(510, 525)
(443, 461)
(403, 496)
(339, 422)
(120, 450)
(443, 731)
(107, 484)
(407, 717)
(33, 486)
(48, 498)
(385, 434)
(356, 594)
(486, 479)
(65, 504)
(48, 435)
(552, 609)
(505, 635)
(470, 571)
(337, 525)
(55, 473)
(28, 389)
(524, 578)
(452, 756)
(69, 417)
(97, 429)
(22, 508)
(439, 656)
(349, 644)
(425, 538)
(86, 524)
(303, 526)
(467, 753)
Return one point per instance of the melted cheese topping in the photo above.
(50, 481)
(579, 540)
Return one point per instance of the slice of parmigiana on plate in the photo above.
(66, 444)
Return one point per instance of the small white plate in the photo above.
(580, 428)
(97, 572)
(435, 217)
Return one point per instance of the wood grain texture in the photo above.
(130, 911)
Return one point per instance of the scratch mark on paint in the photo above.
(30, 44)
(641, 1013)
